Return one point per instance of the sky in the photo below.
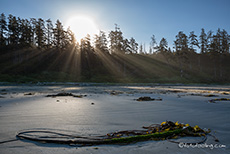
(136, 18)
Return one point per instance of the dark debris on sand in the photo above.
(145, 98)
(31, 93)
(219, 99)
(66, 94)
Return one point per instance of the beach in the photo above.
(103, 108)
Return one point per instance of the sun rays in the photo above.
(81, 26)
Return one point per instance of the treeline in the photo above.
(207, 53)
(44, 34)
(33, 32)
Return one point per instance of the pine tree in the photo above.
(59, 35)
(126, 46)
(153, 43)
(28, 32)
(101, 42)
(71, 40)
(33, 23)
(163, 45)
(209, 40)
(40, 33)
(225, 41)
(116, 40)
(141, 49)
(163, 49)
(86, 44)
(203, 41)
(181, 46)
(13, 30)
(3, 29)
(49, 32)
(25, 32)
(133, 45)
(193, 41)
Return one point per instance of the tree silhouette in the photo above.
(101, 42)
(3, 29)
(13, 30)
(40, 33)
(181, 46)
(71, 40)
(49, 32)
(163, 49)
(141, 49)
(203, 41)
(116, 41)
(193, 41)
(133, 45)
(153, 43)
(59, 35)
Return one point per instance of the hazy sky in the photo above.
(136, 18)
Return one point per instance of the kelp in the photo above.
(66, 94)
(219, 99)
(165, 131)
(146, 98)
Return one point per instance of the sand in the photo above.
(105, 109)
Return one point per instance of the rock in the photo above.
(145, 98)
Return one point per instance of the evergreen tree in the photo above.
(25, 32)
(153, 43)
(33, 23)
(86, 44)
(193, 41)
(203, 41)
(59, 35)
(209, 40)
(40, 33)
(3, 29)
(70, 37)
(101, 42)
(13, 30)
(49, 32)
(181, 46)
(181, 43)
(28, 32)
(163, 46)
(225, 41)
(141, 49)
(126, 46)
(133, 45)
(218, 40)
(116, 41)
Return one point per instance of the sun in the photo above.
(81, 26)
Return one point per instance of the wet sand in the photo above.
(105, 109)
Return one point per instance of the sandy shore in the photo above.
(106, 109)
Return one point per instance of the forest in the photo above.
(36, 50)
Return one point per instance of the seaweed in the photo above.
(66, 94)
(219, 99)
(31, 93)
(165, 131)
(145, 98)
(145, 137)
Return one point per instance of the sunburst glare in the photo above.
(81, 26)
